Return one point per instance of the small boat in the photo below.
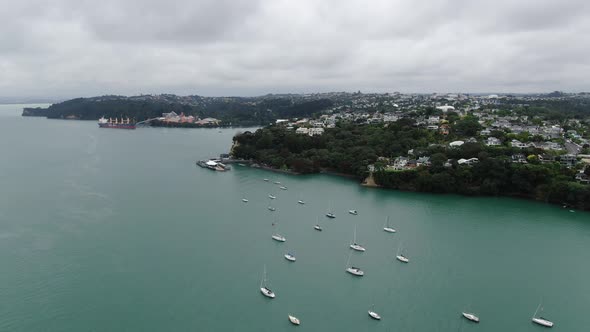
(263, 288)
(290, 257)
(572, 211)
(540, 320)
(388, 228)
(270, 208)
(354, 245)
(470, 317)
(301, 202)
(330, 214)
(283, 188)
(277, 182)
(373, 314)
(353, 270)
(353, 212)
(266, 180)
(272, 196)
(244, 200)
(317, 228)
(400, 257)
(294, 320)
(279, 237)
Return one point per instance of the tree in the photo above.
(468, 126)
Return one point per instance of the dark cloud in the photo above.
(242, 47)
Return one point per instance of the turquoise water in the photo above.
(116, 230)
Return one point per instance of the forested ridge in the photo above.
(351, 148)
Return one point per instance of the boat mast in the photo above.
(538, 307)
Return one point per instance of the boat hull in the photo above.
(542, 322)
(267, 292)
(294, 320)
(355, 272)
(117, 125)
(402, 259)
(374, 315)
(471, 317)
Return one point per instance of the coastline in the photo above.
(369, 182)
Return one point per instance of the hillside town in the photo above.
(501, 121)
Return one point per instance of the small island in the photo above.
(533, 147)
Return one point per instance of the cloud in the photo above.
(68, 48)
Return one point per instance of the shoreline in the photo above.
(369, 182)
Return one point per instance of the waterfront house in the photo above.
(492, 141)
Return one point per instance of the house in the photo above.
(302, 131)
(568, 160)
(456, 144)
(469, 161)
(492, 141)
(423, 161)
(519, 158)
(485, 132)
(582, 177)
(518, 144)
(316, 131)
(400, 163)
(545, 158)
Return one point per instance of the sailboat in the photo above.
(301, 201)
(353, 270)
(271, 196)
(263, 288)
(317, 226)
(388, 228)
(294, 320)
(266, 180)
(245, 200)
(330, 214)
(353, 212)
(270, 207)
(373, 314)
(278, 237)
(290, 257)
(400, 257)
(471, 317)
(283, 188)
(540, 320)
(354, 245)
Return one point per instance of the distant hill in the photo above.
(234, 110)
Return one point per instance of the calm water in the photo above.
(114, 230)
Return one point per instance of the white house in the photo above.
(492, 141)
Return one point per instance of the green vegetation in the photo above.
(231, 110)
(351, 148)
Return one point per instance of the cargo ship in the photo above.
(120, 124)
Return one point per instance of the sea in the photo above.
(119, 230)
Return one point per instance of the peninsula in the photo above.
(534, 146)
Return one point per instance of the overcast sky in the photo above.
(69, 48)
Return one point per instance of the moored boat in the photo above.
(470, 317)
(353, 212)
(263, 287)
(540, 320)
(290, 257)
(294, 320)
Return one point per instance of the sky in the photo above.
(71, 48)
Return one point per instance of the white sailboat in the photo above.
(271, 196)
(266, 180)
(353, 212)
(540, 320)
(264, 288)
(283, 188)
(276, 236)
(290, 257)
(354, 245)
(301, 201)
(470, 316)
(317, 226)
(294, 320)
(400, 257)
(245, 200)
(353, 270)
(388, 228)
(374, 314)
(330, 214)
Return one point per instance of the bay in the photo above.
(116, 230)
